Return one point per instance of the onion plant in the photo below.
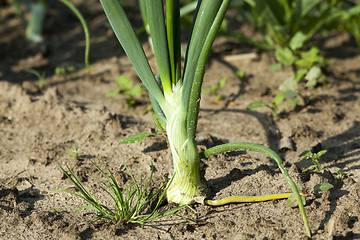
(175, 92)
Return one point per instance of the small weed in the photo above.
(129, 203)
(41, 77)
(275, 104)
(321, 187)
(314, 158)
(214, 89)
(127, 88)
(341, 175)
(74, 152)
(64, 71)
(240, 73)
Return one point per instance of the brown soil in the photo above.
(72, 111)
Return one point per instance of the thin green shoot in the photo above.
(128, 202)
(40, 76)
(214, 89)
(314, 158)
(74, 152)
(85, 27)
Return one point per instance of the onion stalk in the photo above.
(175, 93)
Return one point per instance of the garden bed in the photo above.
(73, 112)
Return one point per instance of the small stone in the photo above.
(286, 144)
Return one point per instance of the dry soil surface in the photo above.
(73, 112)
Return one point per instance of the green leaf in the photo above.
(291, 200)
(135, 92)
(303, 63)
(278, 99)
(240, 73)
(136, 138)
(289, 84)
(124, 83)
(254, 105)
(284, 56)
(293, 102)
(155, 14)
(300, 74)
(322, 152)
(297, 41)
(222, 82)
(275, 67)
(323, 187)
(112, 93)
(312, 76)
(131, 45)
(306, 154)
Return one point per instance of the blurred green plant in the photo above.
(214, 89)
(74, 152)
(40, 76)
(64, 71)
(275, 104)
(288, 26)
(321, 187)
(341, 175)
(126, 87)
(37, 13)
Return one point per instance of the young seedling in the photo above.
(128, 203)
(175, 92)
(214, 89)
(240, 74)
(341, 175)
(41, 77)
(127, 88)
(314, 158)
(276, 102)
(321, 187)
(64, 70)
(74, 152)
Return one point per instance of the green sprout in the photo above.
(314, 158)
(129, 203)
(240, 73)
(74, 152)
(321, 187)
(127, 88)
(276, 102)
(341, 175)
(175, 92)
(41, 77)
(64, 71)
(214, 89)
